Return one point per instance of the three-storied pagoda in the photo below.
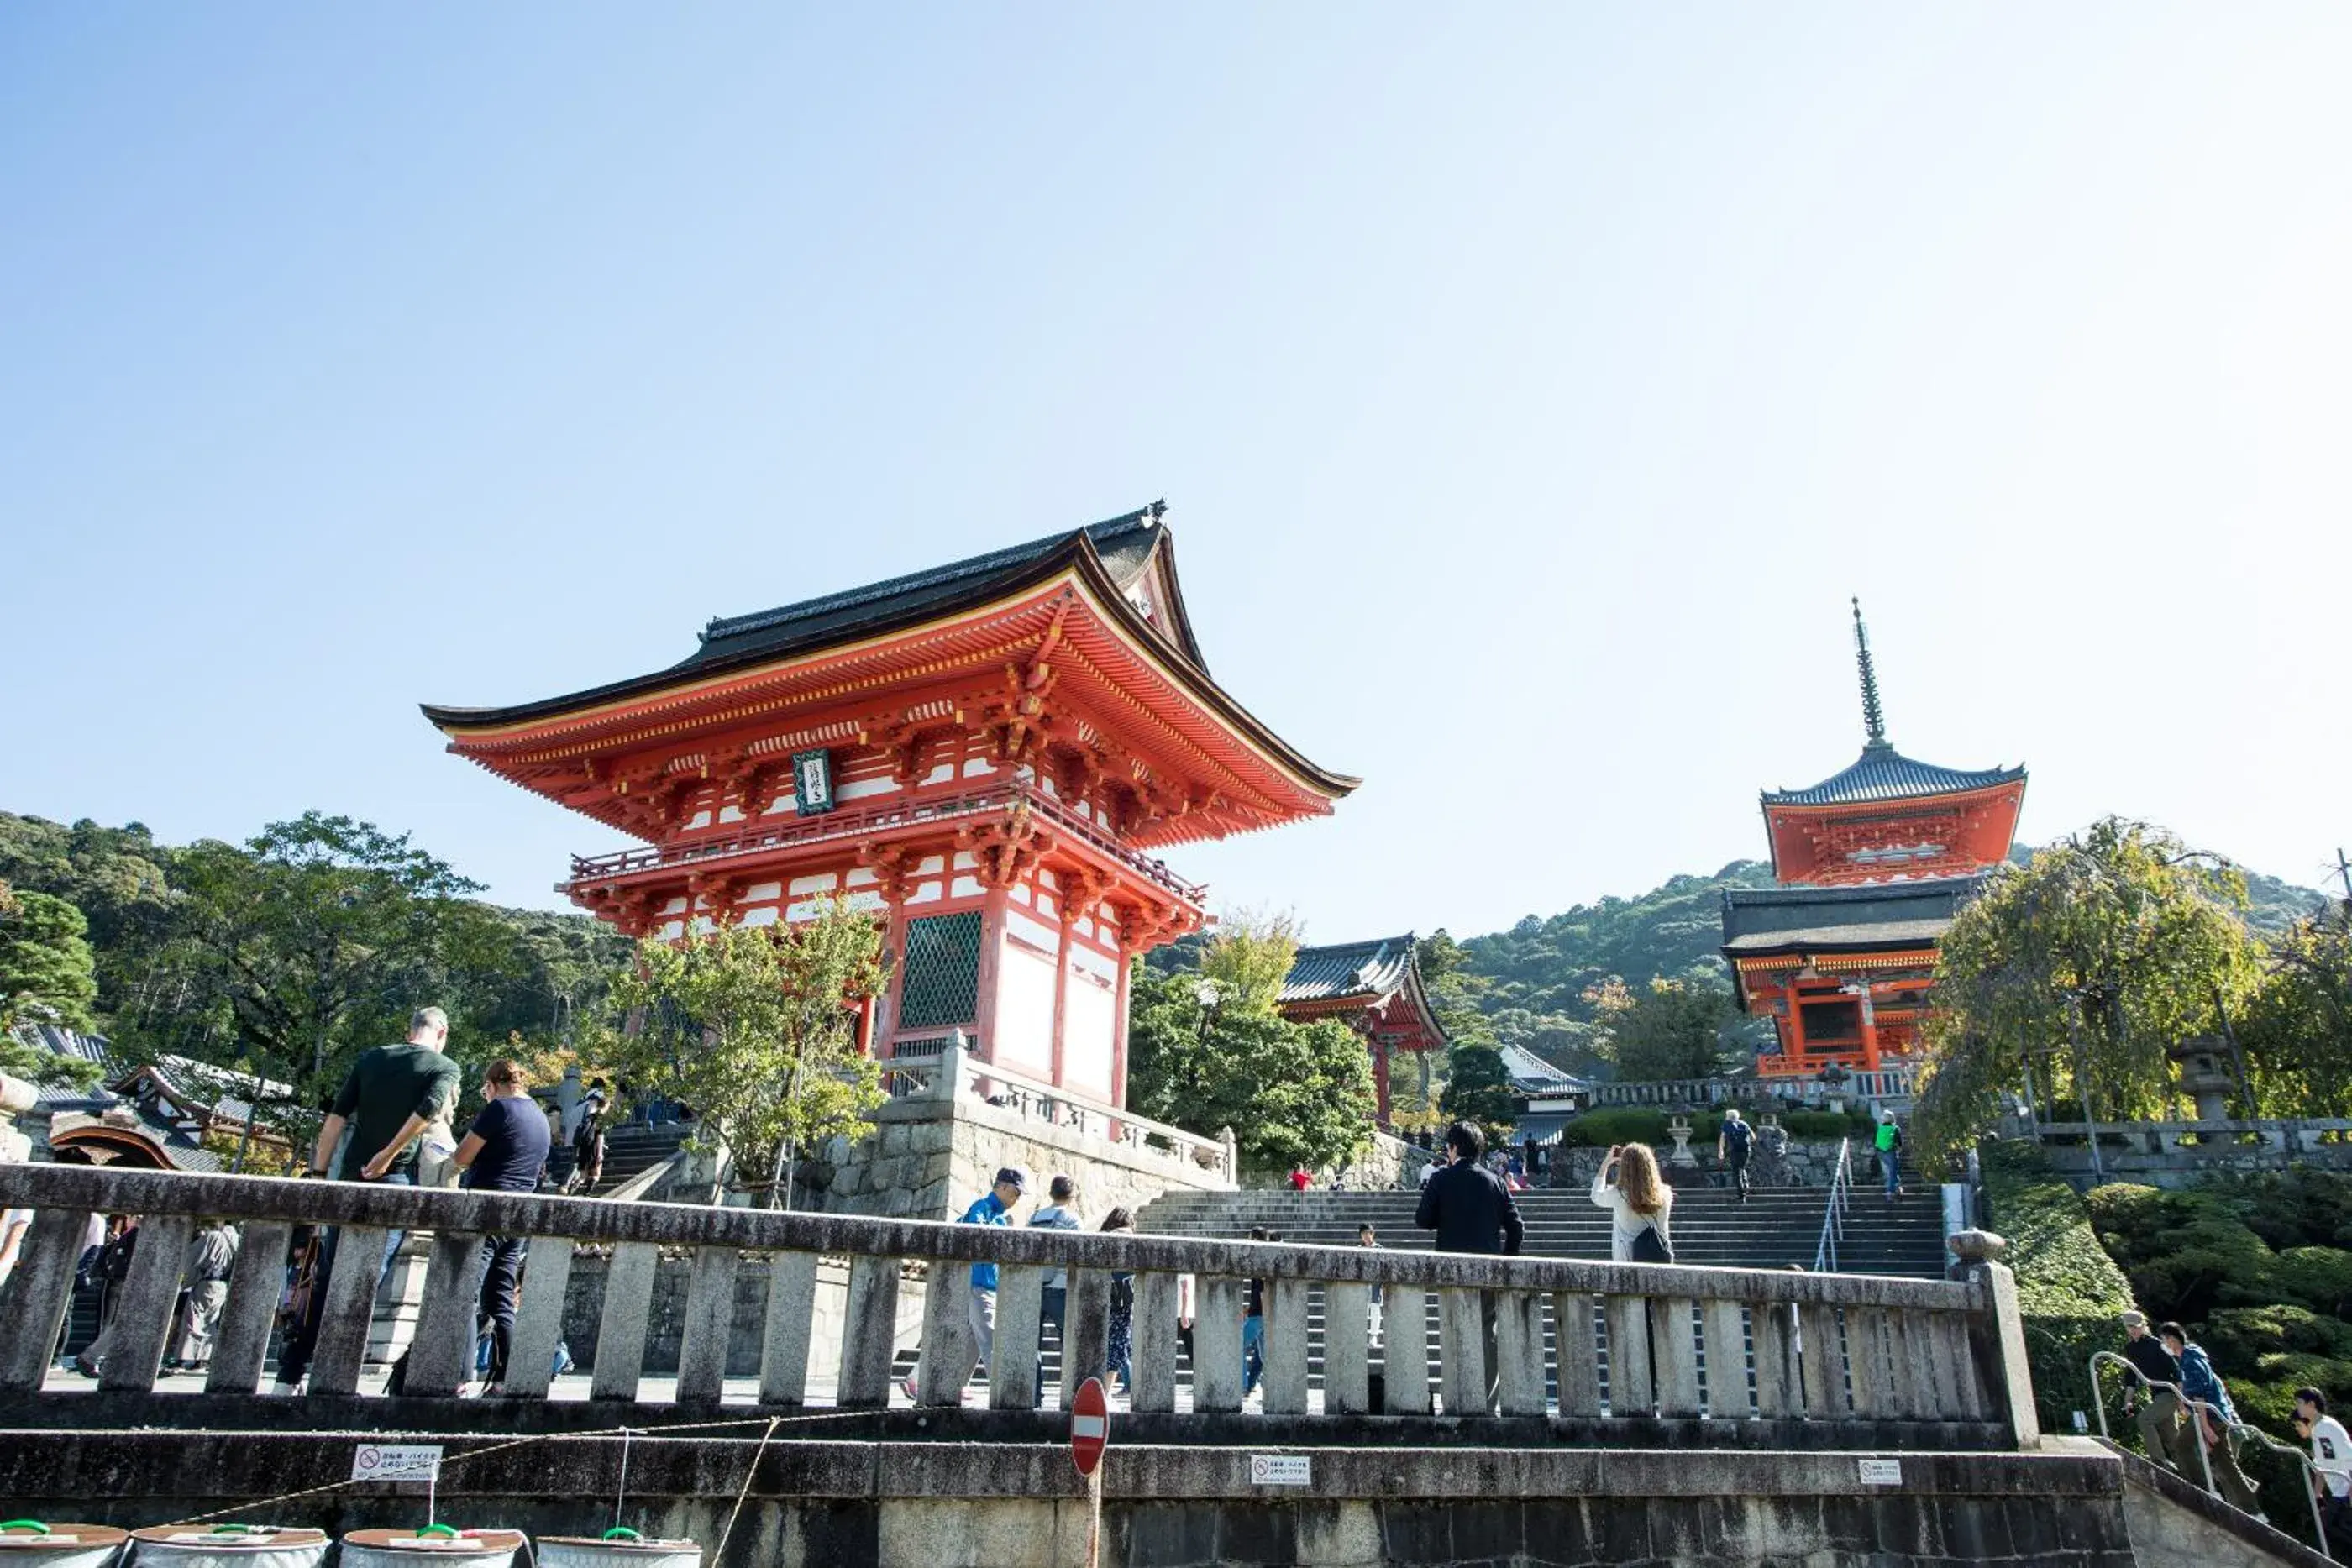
(988, 756)
(1872, 863)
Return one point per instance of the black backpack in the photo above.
(1650, 1245)
(1737, 1137)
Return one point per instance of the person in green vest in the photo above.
(1888, 1139)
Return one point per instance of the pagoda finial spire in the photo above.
(1873, 717)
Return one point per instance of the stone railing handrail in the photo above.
(1845, 1348)
(2234, 1127)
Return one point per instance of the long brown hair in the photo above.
(1638, 1179)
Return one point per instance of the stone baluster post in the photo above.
(1996, 1335)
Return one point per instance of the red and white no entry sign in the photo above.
(1090, 1426)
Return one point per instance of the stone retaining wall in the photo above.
(808, 1500)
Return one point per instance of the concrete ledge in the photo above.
(194, 1417)
(82, 1469)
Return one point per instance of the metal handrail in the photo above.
(1825, 1259)
(2234, 1429)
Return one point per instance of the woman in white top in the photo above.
(1641, 1200)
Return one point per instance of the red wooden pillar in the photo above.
(1381, 1077)
(1869, 1031)
(1119, 1028)
(1061, 985)
(991, 966)
(894, 943)
(1796, 1025)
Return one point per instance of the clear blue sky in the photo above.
(1530, 387)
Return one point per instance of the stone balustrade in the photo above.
(1647, 1351)
(952, 1074)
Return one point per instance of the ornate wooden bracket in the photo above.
(1006, 845)
(893, 866)
(717, 892)
(1083, 891)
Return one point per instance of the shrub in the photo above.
(2069, 1292)
(2319, 1278)
(1617, 1125)
(2241, 1336)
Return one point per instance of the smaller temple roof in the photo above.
(1373, 968)
(1532, 1075)
(1765, 920)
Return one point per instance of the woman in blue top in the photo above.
(504, 1151)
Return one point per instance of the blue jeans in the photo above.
(1252, 1353)
(1891, 1162)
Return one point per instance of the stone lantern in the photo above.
(1680, 1130)
(2203, 1078)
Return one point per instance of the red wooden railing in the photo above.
(858, 821)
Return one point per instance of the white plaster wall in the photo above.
(1088, 1025)
(1024, 1010)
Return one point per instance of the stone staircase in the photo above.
(1776, 1228)
(631, 1150)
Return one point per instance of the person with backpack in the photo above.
(1731, 1148)
(1640, 1205)
(1887, 1138)
(2210, 1418)
(505, 1150)
(588, 1144)
(1053, 1299)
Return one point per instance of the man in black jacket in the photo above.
(1467, 1204)
(1472, 1210)
(2162, 1429)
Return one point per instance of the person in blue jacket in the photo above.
(2210, 1418)
(993, 1207)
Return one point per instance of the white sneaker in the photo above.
(286, 1389)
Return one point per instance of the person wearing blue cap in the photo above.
(993, 1207)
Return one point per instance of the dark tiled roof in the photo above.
(1124, 543)
(1883, 773)
(1776, 919)
(1371, 968)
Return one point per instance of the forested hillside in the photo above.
(291, 952)
(1536, 974)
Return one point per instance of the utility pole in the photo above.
(2343, 870)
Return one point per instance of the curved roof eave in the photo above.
(1076, 552)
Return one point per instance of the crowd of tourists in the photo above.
(391, 1122)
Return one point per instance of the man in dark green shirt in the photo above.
(393, 1093)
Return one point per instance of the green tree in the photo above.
(1249, 957)
(2075, 973)
(755, 1028)
(47, 972)
(1479, 1089)
(288, 954)
(2297, 1027)
(1666, 1029)
(1293, 1093)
